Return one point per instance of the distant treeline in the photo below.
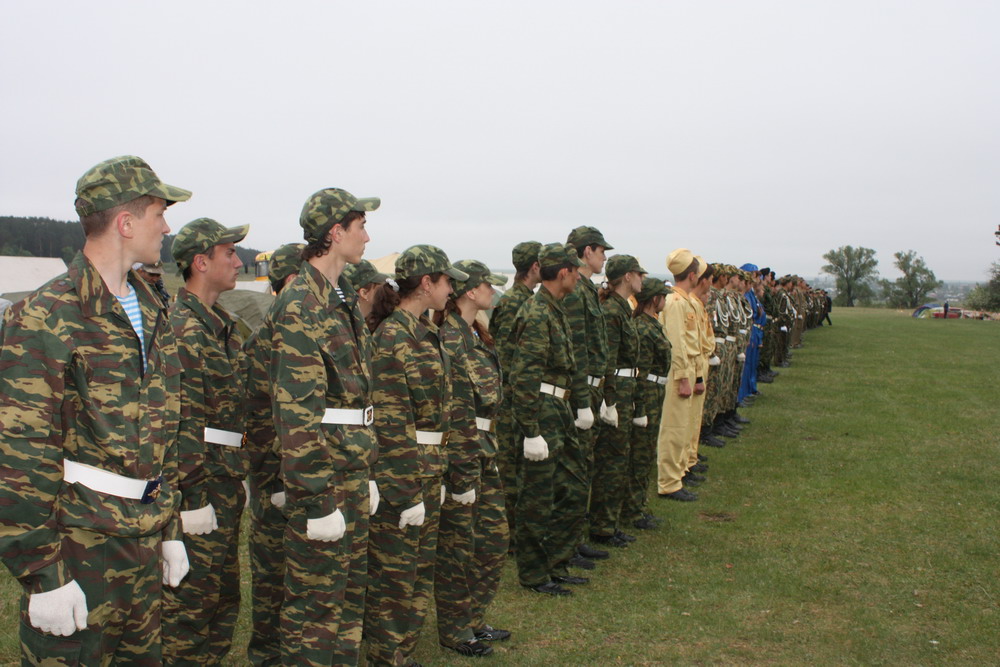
(45, 237)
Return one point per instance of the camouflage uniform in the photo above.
(544, 356)
(321, 362)
(75, 388)
(412, 404)
(199, 616)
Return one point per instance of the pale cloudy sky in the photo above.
(755, 131)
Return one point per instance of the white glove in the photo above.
(642, 421)
(714, 361)
(584, 419)
(60, 612)
(175, 562)
(466, 498)
(329, 528)
(536, 449)
(609, 414)
(444, 493)
(785, 329)
(199, 522)
(278, 499)
(414, 516)
(373, 497)
(246, 487)
(741, 356)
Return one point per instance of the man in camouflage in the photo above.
(199, 616)
(88, 416)
(321, 371)
(267, 492)
(543, 378)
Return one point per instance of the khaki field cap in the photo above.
(285, 261)
(118, 181)
(478, 274)
(557, 254)
(363, 274)
(584, 236)
(619, 265)
(702, 265)
(652, 287)
(197, 236)
(525, 254)
(420, 260)
(679, 260)
(329, 206)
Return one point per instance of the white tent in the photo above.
(26, 274)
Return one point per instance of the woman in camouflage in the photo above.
(412, 402)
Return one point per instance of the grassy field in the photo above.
(855, 522)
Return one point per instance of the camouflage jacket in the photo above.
(623, 352)
(464, 446)
(484, 371)
(321, 357)
(262, 445)
(413, 394)
(654, 359)
(589, 330)
(210, 349)
(502, 320)
(544, 353)
(72, 387)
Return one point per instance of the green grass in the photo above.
(855, 522)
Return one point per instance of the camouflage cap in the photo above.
(329, 206)
(525, 254)
(652, 287)
(420, 260)
(558, 254)
(364, 273)
(619, 265)
(197, 236)
(478, 274)
(120, 180)
(155, 269)
(584, 236)
(285, 261)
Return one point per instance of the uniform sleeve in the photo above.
(191, 454)
(463, 437)
(397, 470)
(265, 464)
(32, 387)
(614, 329)
(531, 354)
(681, 328)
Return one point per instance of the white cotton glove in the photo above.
(373, 497)
(741, 356)
(413, 516)
(609, 414)
(199, 522)
(175, 562)
(60, 612)
(642, 421)
(536, 449)
(329, 528)
(714, 361)
(278, 499)
(785, 329)
(584, 419)
(466, 498)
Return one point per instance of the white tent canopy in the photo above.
(26, 274)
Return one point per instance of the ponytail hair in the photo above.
(386, 298)
(477, 326)
(607, 288)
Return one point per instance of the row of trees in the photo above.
(856, 273)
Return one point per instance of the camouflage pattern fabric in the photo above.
(329, 206)
(422, 260)
(413, 394)
(199, 236)
(491, 539)
(72, 387)
(321, 358)
(120, 180)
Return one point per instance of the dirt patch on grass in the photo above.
(717, 517)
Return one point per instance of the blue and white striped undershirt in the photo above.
(130, 303)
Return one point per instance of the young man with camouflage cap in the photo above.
(88, 456)
(543, 378)
(199, 616)
(322, 405)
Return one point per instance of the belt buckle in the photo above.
(151, 491)
(369, 417)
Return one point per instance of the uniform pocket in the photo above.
(39, 648)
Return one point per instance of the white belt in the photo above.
(558, 392)
(743, 332)
(594, 381)
(358, 417)
(720, 341)
(219, 437)
(103, 481)
(429, 437)
(658, 379)
(625, 372)
(484, 424)
(731, 339)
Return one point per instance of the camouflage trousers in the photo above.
(267, 571)
(580, 468)
(713, 387)
(612, 454)
(325, 582)
(121, 578)
(472, 546)
(642, 462)
(400, 578)
(546, 537)
(199, 616)
(508, 453)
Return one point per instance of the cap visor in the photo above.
(170, 193)
(452, 272)
(496, 279)
(369, 204)
(235, 234)
(574, 260)
(641, 270)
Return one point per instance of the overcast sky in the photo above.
(767, 132)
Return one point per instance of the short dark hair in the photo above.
(592, 246)
(96, 223)
(320, 245)
(552, 272)
(691, 268)
(210, 253)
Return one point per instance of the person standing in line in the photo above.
(365, 279)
